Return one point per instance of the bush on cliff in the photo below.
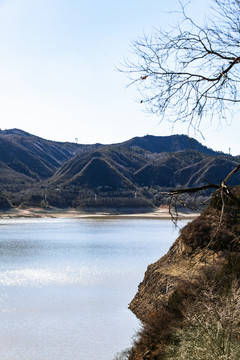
(200, 320)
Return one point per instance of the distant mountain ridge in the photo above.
(31, 155)
(39, 172)
(172, 143)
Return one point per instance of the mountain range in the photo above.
(39, 172)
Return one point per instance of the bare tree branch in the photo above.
(175, 195)
(191, 72)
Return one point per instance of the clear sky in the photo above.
(58, 78)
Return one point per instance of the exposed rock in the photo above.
(204, 241)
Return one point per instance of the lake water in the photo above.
(65, 284)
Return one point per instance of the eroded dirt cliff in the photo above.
(207, 240)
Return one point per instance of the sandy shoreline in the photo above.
(160, 213)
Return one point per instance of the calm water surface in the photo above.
(65, 284)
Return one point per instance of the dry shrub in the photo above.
(200, 321)
(217, 229)
(211, 325)
(159, 327)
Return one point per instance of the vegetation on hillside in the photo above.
(199, 319)
(133, 174)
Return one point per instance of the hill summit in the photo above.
(172, 143)
(40, 172)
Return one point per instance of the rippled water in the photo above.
(65, 284)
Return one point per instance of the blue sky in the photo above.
(58, 78)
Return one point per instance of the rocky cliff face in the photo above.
(205, 241)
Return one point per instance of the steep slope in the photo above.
(155, 175)
(74, 166)
(23, 161)
(186, 168)
(209, 170)
(205, 241)
(140, 167)
(145, 172)
(126, 162)
(12, 181)
(31, 155)
(99, 173)
(161, 170)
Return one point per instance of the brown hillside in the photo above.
(204, 241)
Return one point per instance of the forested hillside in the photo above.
(39, 172)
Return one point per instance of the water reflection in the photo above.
(66, 284)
